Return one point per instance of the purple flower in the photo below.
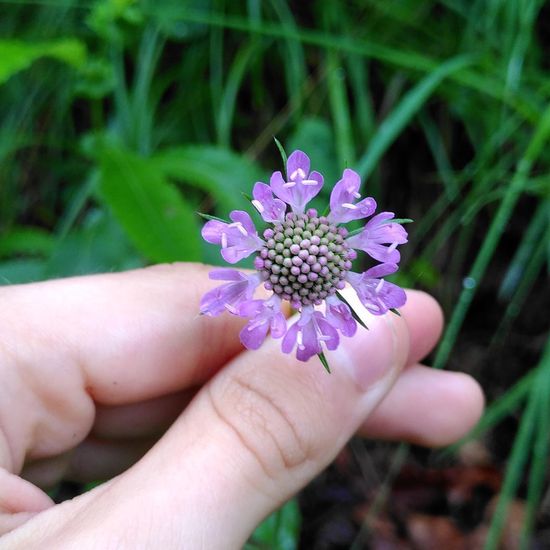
(306, 259)
(308, 333)
(339, 316)
(376, 294)
(231, 295)
(378, 232)
(238, 239)
(271, 209)
(301, 186)
(343, 208)
(265, 315)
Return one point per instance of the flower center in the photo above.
(305, 258)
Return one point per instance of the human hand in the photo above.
(93, 370)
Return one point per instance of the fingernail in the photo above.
(371, 354)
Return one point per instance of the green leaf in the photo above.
(280, 530)
(281, 150)
(21, 271)
(26, 240)
(323, 360)
(411, 103)
(149, 208)
(216, 170)
(210, 218)
(16, 55)
(398, 220)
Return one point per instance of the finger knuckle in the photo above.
(264, 424)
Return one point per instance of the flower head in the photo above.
(306, 259)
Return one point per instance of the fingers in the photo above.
(427, 407)
(255, 434)
(116, 338)
(145, 419)
(19, 501)
(155, 415)
(424, 319)
(136, 335)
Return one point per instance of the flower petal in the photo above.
(377, 295)
(271, 209)
(243, 218)
(297, 161)
(253, 336)
(265, 314)
(378, 232)
(301, 186)
(289, 341)
(339, 315)
(238, 239)
(342, 200)
(226, 274)
(278, 325)
(229, 296)
(308, 333)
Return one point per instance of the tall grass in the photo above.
(120, 119)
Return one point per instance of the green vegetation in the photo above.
(120, 119)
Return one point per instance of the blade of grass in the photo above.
(493, 236)
(496, 411)
(529, 242)
(516, 464)
(295, 66)
(340, 110)
(229, 97)
(540, 448)
(476, 80)
(520, 452)
(409, 105)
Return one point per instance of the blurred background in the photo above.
(120, 119)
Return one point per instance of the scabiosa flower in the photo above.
(305, 259)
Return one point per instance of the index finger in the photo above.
(135, 335)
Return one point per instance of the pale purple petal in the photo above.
(377, 295)
(226, 274)
(238, 239)
(339, 315)
(329, 334)
(297, 161)
(289, 341)
(278, 325)
(230, 296)
(253, 336)
(310, 344)
(212, 231)
(378, 232)
(309, 333)
(343, 207)
(243, 218)
(265, 314)
(381, 270)
(271, 209)
(301, 186)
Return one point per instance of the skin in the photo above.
(95, 369)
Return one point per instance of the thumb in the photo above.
(259, 431)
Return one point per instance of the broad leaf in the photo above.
(150, 209)
(16, 55)
(218, 171)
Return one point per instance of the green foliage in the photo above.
(150, 209)
(17, 55)
(280, 530)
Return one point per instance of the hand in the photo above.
(93, 370)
